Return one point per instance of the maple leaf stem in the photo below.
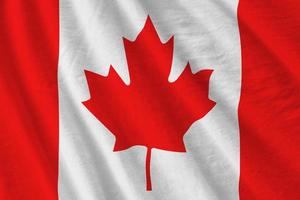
(148, 172)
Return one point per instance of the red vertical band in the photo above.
(29, 99)
(269, 110)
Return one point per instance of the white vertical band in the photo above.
(206, 34)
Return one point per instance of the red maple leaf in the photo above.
(150, 111)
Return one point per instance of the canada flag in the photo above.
(150, 100)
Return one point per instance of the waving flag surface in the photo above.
(150, 100)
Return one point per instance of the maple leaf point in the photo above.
(150, 111)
